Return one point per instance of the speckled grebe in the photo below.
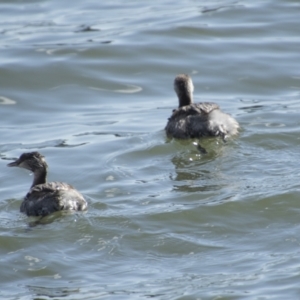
(44, 197)
(196, 120)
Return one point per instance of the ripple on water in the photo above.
(6, 101)
(93, 94)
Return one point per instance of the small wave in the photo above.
(6, 101)
(130, 89)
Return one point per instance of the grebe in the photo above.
(196, 120)
(44, 197)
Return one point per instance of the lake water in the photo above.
(89, 84)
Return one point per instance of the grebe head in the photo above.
(32, 161)
(184, 89)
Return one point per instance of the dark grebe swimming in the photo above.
(196, 120)
(44, 197)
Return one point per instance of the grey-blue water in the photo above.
(89, 85)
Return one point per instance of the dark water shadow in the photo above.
(193, 172)
(86, 28)
(54, 217)
(214, 8)
(51, 292)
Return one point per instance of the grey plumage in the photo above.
(196, 120)
(44, 197)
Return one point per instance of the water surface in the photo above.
(89, 85)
